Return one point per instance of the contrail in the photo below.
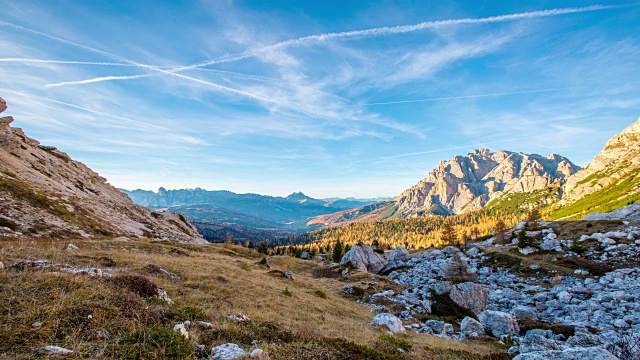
(373, 32)
(19, 93)
(144, 66)
(93, 80)
(456, 97)
(45, 61)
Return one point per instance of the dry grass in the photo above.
(75, 310)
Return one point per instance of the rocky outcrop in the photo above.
(227, 351)
(471, 296)
(499, 323)
(469, 326)
(44, 193)
(569, 354)
(363, 258)
(392, 323)
(619, 158)
(3, 105)
(399, 254)
(469, 182)
(630, 212)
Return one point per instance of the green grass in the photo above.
(612, 197)
(517, 203)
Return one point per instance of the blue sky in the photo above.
(332, 98)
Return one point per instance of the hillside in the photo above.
(44, 193)
(115, 315)
(609, 182)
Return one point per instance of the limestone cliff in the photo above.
(44, 193)
(619, 159)
(469, 182)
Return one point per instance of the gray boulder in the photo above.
(470, 325)
(399, 254)
(390, 322)
(522, 312)
(499, 323)
(439, 327)
(228, 351)
(569, 354)
(363, 258)
(538, 340)
(584, 339)
(471, 296)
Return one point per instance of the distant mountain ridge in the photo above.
(465, 183)
(273, 214)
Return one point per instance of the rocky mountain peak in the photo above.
(469, 182)
(298, 195)
(47, 194)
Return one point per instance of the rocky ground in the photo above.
(560, 297)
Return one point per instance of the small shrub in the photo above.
(263, 261)
(324, 271)
(321, 294)
(137, 284)
(626, 346)
(286, 292)
(557, 328)
(152, 343)
(246, 267)
(594, 268)
(393, 342)
(190, 313)
(443, 306)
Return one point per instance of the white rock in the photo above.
(471, 296)
(239, 317)
(162, 295)
(569, 354)
(202, 324)
(528, 250)
(57, 350)
(181, 328)
(399, 254)
(363, 258)
(524, 312)
(390, 321)
(470, 325)
(71, 247)
(228, 351)
(564, 297)
(607, 241)
(499, 323)
(257, 353)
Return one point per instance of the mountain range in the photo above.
(510, 180)
(243, 216)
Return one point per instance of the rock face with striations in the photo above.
(619, 158)
(44, 193)
(469, 182)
